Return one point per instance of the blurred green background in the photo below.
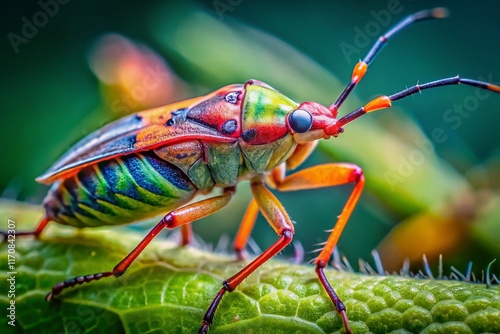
(55, 90)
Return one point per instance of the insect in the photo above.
(157, 160)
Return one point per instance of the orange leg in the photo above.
(329, 175)
(279, 220)
(41, 226)
(245, 230)
(186, 234)
(272, 180)
(178, 217)
(301, 153)
(277, 175)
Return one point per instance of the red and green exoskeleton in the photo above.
(157, 160)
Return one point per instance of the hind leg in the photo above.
(36, 232)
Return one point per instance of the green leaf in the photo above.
(168, 288)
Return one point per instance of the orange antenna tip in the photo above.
(440, 12)
(380, 102)
(359, 71)
(493, 88)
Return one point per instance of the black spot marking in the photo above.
(249, 135)
(229, 127)
(232, 97)
(138, 117)
(132, 140)
(181, 156)
(178, 117)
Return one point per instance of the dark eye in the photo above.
(232, 97)
(300, 121)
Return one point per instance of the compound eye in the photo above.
(300, 121)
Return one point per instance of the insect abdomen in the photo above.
(119, 191)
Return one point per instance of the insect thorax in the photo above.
(210, 164)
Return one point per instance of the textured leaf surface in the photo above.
(168, 289)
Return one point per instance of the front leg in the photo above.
(328, 175)
(300, 154)
(279, 220)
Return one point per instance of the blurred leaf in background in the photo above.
(431, 162)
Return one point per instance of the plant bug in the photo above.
(157, 160)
